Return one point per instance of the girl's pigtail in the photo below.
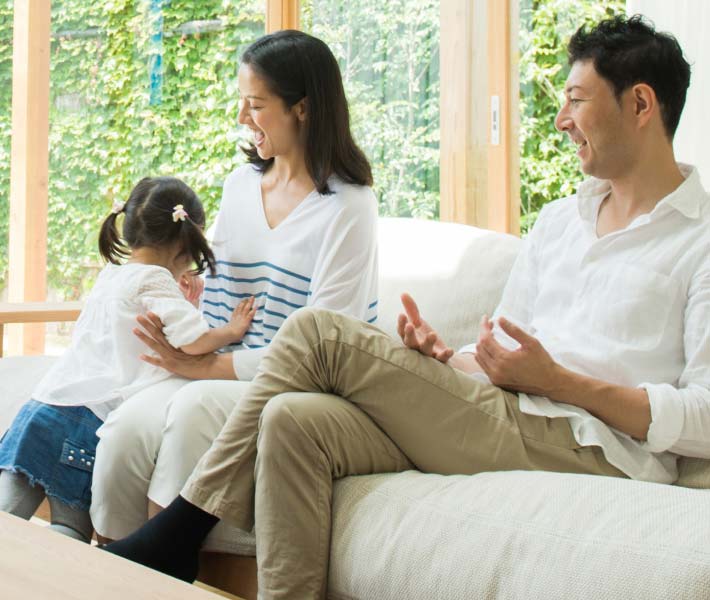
(111, 246)
(195, 245)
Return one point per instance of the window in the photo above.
(389, 57)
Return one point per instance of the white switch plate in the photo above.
(495, 120)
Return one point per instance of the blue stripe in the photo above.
(271, 312)
(215, 317)
(255, 333)
(259, 279)
(264, 264)
(372, 305)
(270, 327)
(372, 320)
(238, 295)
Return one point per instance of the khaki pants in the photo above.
(379, 407)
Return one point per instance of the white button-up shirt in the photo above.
(631, 308)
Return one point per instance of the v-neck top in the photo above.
(324, 254)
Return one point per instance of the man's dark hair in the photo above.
(295, 66)
(630, 51)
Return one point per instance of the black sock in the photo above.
(169, 542)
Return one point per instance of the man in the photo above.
(598, 354)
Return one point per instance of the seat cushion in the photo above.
(518, 535)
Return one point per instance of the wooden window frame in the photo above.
(480, 180)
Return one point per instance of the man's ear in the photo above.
(301, 109)
(645, 103)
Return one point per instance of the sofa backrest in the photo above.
(456, 273)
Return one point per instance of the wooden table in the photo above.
(39, 564)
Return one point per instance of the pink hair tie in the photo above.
(179, 213)
(117, 207)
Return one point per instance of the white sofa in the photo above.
(517, 534)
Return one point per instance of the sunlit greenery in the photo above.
(110, 124)
(549, 168)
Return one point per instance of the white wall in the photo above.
(689, 22)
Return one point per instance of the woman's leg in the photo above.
(195, 417)
(72, 522)
(129, 444)
(17, 496)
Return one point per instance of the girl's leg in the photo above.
(17, 496)
(130, 440)
(70, 521)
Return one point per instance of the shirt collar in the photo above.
(686, 198)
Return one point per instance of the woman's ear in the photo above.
(301, 109)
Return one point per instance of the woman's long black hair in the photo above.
(295, 66)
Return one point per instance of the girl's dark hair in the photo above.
(630, 51)
(149, 222)
(295, 66)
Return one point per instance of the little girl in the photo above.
(50, 447)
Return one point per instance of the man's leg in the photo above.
(443, 420)
(305, 441)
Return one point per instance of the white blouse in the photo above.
(323, 254)
(102, 367)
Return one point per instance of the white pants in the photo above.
(150, 445)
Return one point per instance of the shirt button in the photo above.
(82, 451)
(88, 463)
(71, 458)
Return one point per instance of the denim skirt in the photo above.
(54, 447)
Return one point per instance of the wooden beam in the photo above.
(36, 312)
(29, 166)
(478, 171)
(282, 14)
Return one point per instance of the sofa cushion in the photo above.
(517, 535)
(456, 273)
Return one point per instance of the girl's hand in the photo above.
(242, 317)
(192, 287)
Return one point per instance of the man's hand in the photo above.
(528, 369)
(192, 287)
(418, 335)
(202, 366)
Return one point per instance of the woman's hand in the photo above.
(418, 335)
(201, 366)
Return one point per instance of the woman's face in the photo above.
(277, 129)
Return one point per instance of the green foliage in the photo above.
(389, 56)
(107, 129)
(549, 168)
(5, 129)
(105, 134)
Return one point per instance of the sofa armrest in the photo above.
(36, 312)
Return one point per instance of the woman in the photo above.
(296, 227)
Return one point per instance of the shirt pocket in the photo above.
(630, 306)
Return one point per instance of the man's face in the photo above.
(593, 119)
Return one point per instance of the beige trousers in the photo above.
(379, 407)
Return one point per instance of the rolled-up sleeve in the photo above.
(680, 415)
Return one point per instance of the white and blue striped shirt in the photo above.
(323, 254)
